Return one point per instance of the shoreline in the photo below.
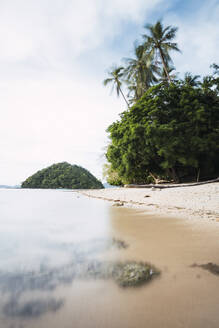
(193, 202)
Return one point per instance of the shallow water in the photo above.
(48, 237)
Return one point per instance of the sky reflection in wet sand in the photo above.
(46, 236)
(56, 255)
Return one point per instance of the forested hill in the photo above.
(62, 175)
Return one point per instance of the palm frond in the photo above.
(107, 81)
(158, 41)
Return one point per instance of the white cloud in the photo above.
(54, 55)
(52, 110)
(47, 29)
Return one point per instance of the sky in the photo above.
(54, 57)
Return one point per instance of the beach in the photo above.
(192, 202)
(72, 260)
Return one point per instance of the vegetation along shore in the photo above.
(170, 129)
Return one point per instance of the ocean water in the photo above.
(50, 238)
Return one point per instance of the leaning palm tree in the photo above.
(159, 41)
(140, 71)
(173, 75)
(116, 74)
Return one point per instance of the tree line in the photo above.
(170, 129)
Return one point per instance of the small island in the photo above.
(62, 175)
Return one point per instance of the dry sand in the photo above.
(187, 202)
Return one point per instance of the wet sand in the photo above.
(182, 296)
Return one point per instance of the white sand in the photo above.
(189, 202)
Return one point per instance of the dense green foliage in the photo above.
(171, 132)
(62, 175)
(112, 176)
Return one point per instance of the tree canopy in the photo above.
(62, 175)
(159, 42)
(171, 132)
(151, 63)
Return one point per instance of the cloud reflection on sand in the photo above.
(31, 309)
(47, 279)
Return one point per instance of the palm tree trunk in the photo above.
(123, 96)
(164, 64)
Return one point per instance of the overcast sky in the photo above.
(54, 56)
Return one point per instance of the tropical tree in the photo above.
(140, 72)
(173, 75)
(211, 82)
(216, 68)
(112, 177)
(159, 41)
(171, 133)
(116, 74)
(191, 80)
(216, 77)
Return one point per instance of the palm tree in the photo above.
(116, 74)
(134, 91)
(173, 76)
(191, 80)
(216, 69)
(207, 82)
(140, 71)
(159, 43)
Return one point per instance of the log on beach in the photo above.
(164, 186)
